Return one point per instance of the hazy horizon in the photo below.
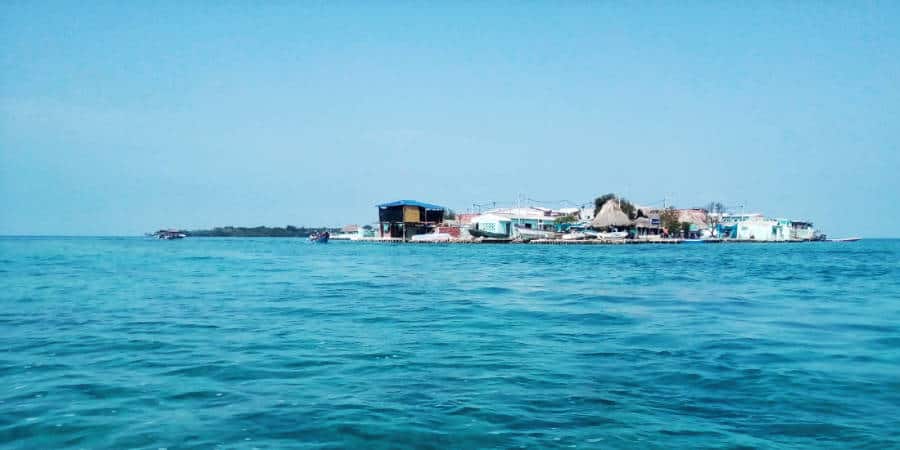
(122, 119)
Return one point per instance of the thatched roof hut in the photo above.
(610, 215)
(696, 217)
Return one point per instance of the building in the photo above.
(491, 225)
(406, 218)
(530, 217)
(802, 230)
(756, 227)
(647, 227)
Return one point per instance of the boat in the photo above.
(577, 236)
(432, 237)
(849, 239)
(612, 235)
(487, 234)
(529, 234)
(169, 235)
(319, 238)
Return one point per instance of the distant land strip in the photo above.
(261, 231)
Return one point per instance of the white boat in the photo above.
(577, 236)
(612, 235)
(849, 239)
(529, 234)
(432, 237)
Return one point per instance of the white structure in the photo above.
(492, 223)
(529, 217)
(756, 227)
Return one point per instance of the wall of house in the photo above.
(492, 225)
(758, 230)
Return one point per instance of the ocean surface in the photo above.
(275, 343)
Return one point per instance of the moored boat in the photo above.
(487, 234)
(319, 238)
(528, 234)
(169, 235)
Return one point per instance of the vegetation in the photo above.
(570, 218)
(714, 212)
(715, 207)
(668, 218)
(261, 231)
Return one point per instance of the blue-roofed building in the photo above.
(407, 218)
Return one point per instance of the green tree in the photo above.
(566, 219)
(668, 218)
(628, 208)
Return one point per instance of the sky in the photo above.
(118, 118)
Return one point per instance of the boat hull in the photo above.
(487, 234)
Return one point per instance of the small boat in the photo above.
(319, 238)
(169, 235)
(612, 235)
(577, 236)
(487, 234)
(529, 234)
(432, 237)
(849, 239)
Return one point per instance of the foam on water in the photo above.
(272, 343)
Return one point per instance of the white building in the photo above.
(492, 223)
(530, 217)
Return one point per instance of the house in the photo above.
(491, 225)
(406, 218)
(647, 227)
(529, 217)
(751, 227)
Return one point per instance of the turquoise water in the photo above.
(274, 343)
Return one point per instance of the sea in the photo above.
(203, 343)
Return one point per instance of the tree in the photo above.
(668, 218)
(714, 211)
(628, 208)
(570, 218)
(449, 214)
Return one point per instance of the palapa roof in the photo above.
(645, 222)
(696, 217)
(610, 215)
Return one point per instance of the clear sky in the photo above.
(124, 117)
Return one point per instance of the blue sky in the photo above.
(124, 117)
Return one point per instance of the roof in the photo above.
(610, 215)
(529, 212)
(490, 217)
(428, 206)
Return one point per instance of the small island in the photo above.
(261, 231)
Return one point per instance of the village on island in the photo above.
(609, 219)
